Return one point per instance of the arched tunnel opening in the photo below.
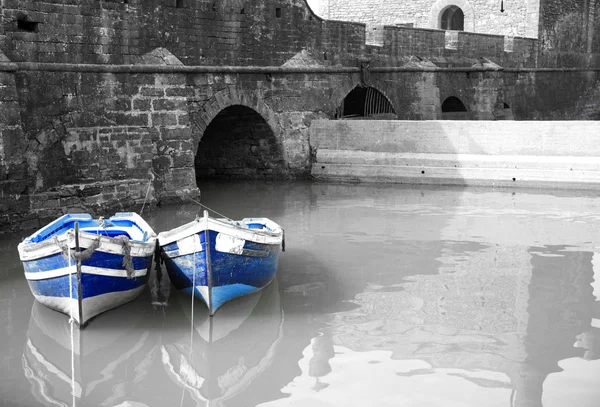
(365, 102)
(454, 109)
(239, 144)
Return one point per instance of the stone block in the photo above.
(164, 119)
(169, 104)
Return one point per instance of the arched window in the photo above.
(452, 18)
(366, 102)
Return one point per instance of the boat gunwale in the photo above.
(196, 226)
(49, 247)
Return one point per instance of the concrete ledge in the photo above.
(419, 160)
(499, 177)
(563, 155)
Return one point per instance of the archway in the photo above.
(239, 144)
(440, 6)
(366, 103)
(454, 109)
(452, 18)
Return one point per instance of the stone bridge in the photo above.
(107, 105)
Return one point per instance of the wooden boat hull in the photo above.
(219, 261)
(105, 281)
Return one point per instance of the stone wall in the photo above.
(118, 104)
(571, 25)
(516, 18)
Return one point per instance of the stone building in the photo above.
(105, 104)
(568, 25)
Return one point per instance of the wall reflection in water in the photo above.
(384, 296)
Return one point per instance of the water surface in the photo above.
(385, 296)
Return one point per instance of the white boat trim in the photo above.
(91, 306)
(44, 275)
(226, 227)
(34, 251)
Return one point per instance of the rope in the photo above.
(82, 255)
(127, 260)
(71, 322)
(147, 192)
(212, 210)
(193, 293)
(87, 253)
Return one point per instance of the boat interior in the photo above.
(118, 225)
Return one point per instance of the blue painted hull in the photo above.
(227, 276)
(114, 271)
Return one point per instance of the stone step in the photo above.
(565, 163)
(557, 172)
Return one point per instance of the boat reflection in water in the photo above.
(216, 358)
(99, 366)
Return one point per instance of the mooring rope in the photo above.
(71, 322)
(212, 210)
(147, 192)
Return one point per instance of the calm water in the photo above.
(385, 296)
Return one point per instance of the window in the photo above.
(452, 18)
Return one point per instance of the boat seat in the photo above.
(110, 232)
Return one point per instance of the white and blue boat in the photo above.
(82, 274)
(221, 259)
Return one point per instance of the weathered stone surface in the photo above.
(93, 124)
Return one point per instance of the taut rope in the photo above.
(71, 323)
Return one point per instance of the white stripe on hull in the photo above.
(91, 306)
(99, 271)
(35, 251)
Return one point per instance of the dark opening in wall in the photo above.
(454, 109)
(453, 104)
(365, 102)
(243, 11)
(179, 3)
(25, 24)
(239, 144)
(278, 12)
(507, 113)
(452, 18)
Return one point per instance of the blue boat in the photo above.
(82, 274)
(221, 259)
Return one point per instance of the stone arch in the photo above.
(236, 135)
(342, 93)
(224, 99)
(438, 8)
